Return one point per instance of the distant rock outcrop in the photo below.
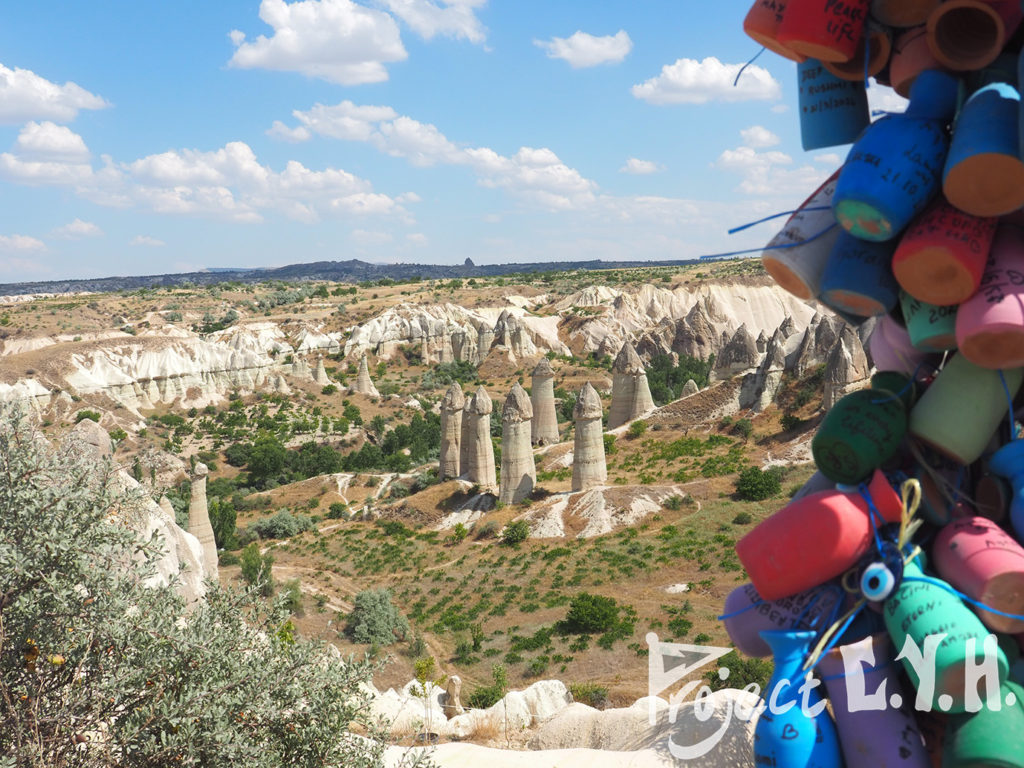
(451, 432)
(631, 394)
(738, 355)
(689, 388)
(518, 472)
(588, 467)
(364, 384)
(544, 426)
(847, 367)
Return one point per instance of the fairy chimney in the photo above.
(466, 435)
(451, 431)
(588, 466)
(453, 697)
(518, 474)
(481, 452)
(690, 388)
(631, 395)
(544, 427)
(320, 374)
(199, 520)
(364, 384)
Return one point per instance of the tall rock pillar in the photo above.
(481, 452)
(518, 474)
(320, 374)
(451, 431)
(631, 395)
(199, 520)
(364, 384)
(588, 465)
(544, 427)
(466, 436)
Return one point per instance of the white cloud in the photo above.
(24, 95)
(416, 238)
(884, 99)
(49, 141)
(689, 81)
(20, 243)
(759, 137)
(583, 50)
(534, 174)
(42, 173)
(450, 18)
(829, 158)
(77, 229)
(146, 240)
(335, 40)
(639, 167)
(769, 173)
(236, 36)
(282, 132)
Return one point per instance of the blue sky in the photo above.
(144, 137)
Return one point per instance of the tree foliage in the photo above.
(754, 484)
(667, 378)
(102, 666)
(375, 619)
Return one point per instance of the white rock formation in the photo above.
(481, 451)
(451, 432)
(320, 374)
(364, 384)
(199, 520)
(518, 473)
(588, 468)
(847, 367)
(631, 395)
(690, 388)
(300, 369)
(511, 336)
(453, 697)
(466, 433)
(544, 427)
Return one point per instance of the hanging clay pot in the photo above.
(828, 31)
(815, 539)
(961, 409)
(984, 174)
(902, 13)
(919, 610)
(882, 736)
(966, 34)
(858, 277)
(893, 171)
(877, 46)
(985, 563)
(833, 111)
(748, 614)
(992, 497)
(891, 349)
(989, 738)
(931, 328)
(942, 254)
(796, 257)
(858, 435)
(788, 733)
(1008, 462)
(762, 24)
(990, 324)
(910, 57)
(941, 484)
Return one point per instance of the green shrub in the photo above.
(486, 696)
(486, 530)
(328, 389)
(589, 614)
(742, 672)
(337, 511)
(609, 444)
(375, 619)
(743, 518)
(790, 421)
(515, 533)
(753, 484)
(92, 415)
(283, 525)
(591, 694)
(636, 429)
(257, 569)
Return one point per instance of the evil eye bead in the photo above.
(877, 582)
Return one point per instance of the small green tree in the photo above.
(753, 484)
(257, 569)
(636, 429)
(591, 613)
(375, 619)
(515, 533)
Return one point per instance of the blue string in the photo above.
(1009, 403)
(743, 68)
(865, 672)
(874, 514)
(760, 601)
(740, 228)
(812, 238)
(962, 596)
(835, 638)
(899, 395)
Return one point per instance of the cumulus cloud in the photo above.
(335, 40)
(758, 136)
(146, 241)
(24, 95)
(448, 18)
(689, 81)
(534, 174)
(639, 167)
(769, 173)
(49, 141)
(20, 170)
(882, 98)
(20, 244)
(77, 229)
(583, 50)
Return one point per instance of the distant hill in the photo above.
(351, 271)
